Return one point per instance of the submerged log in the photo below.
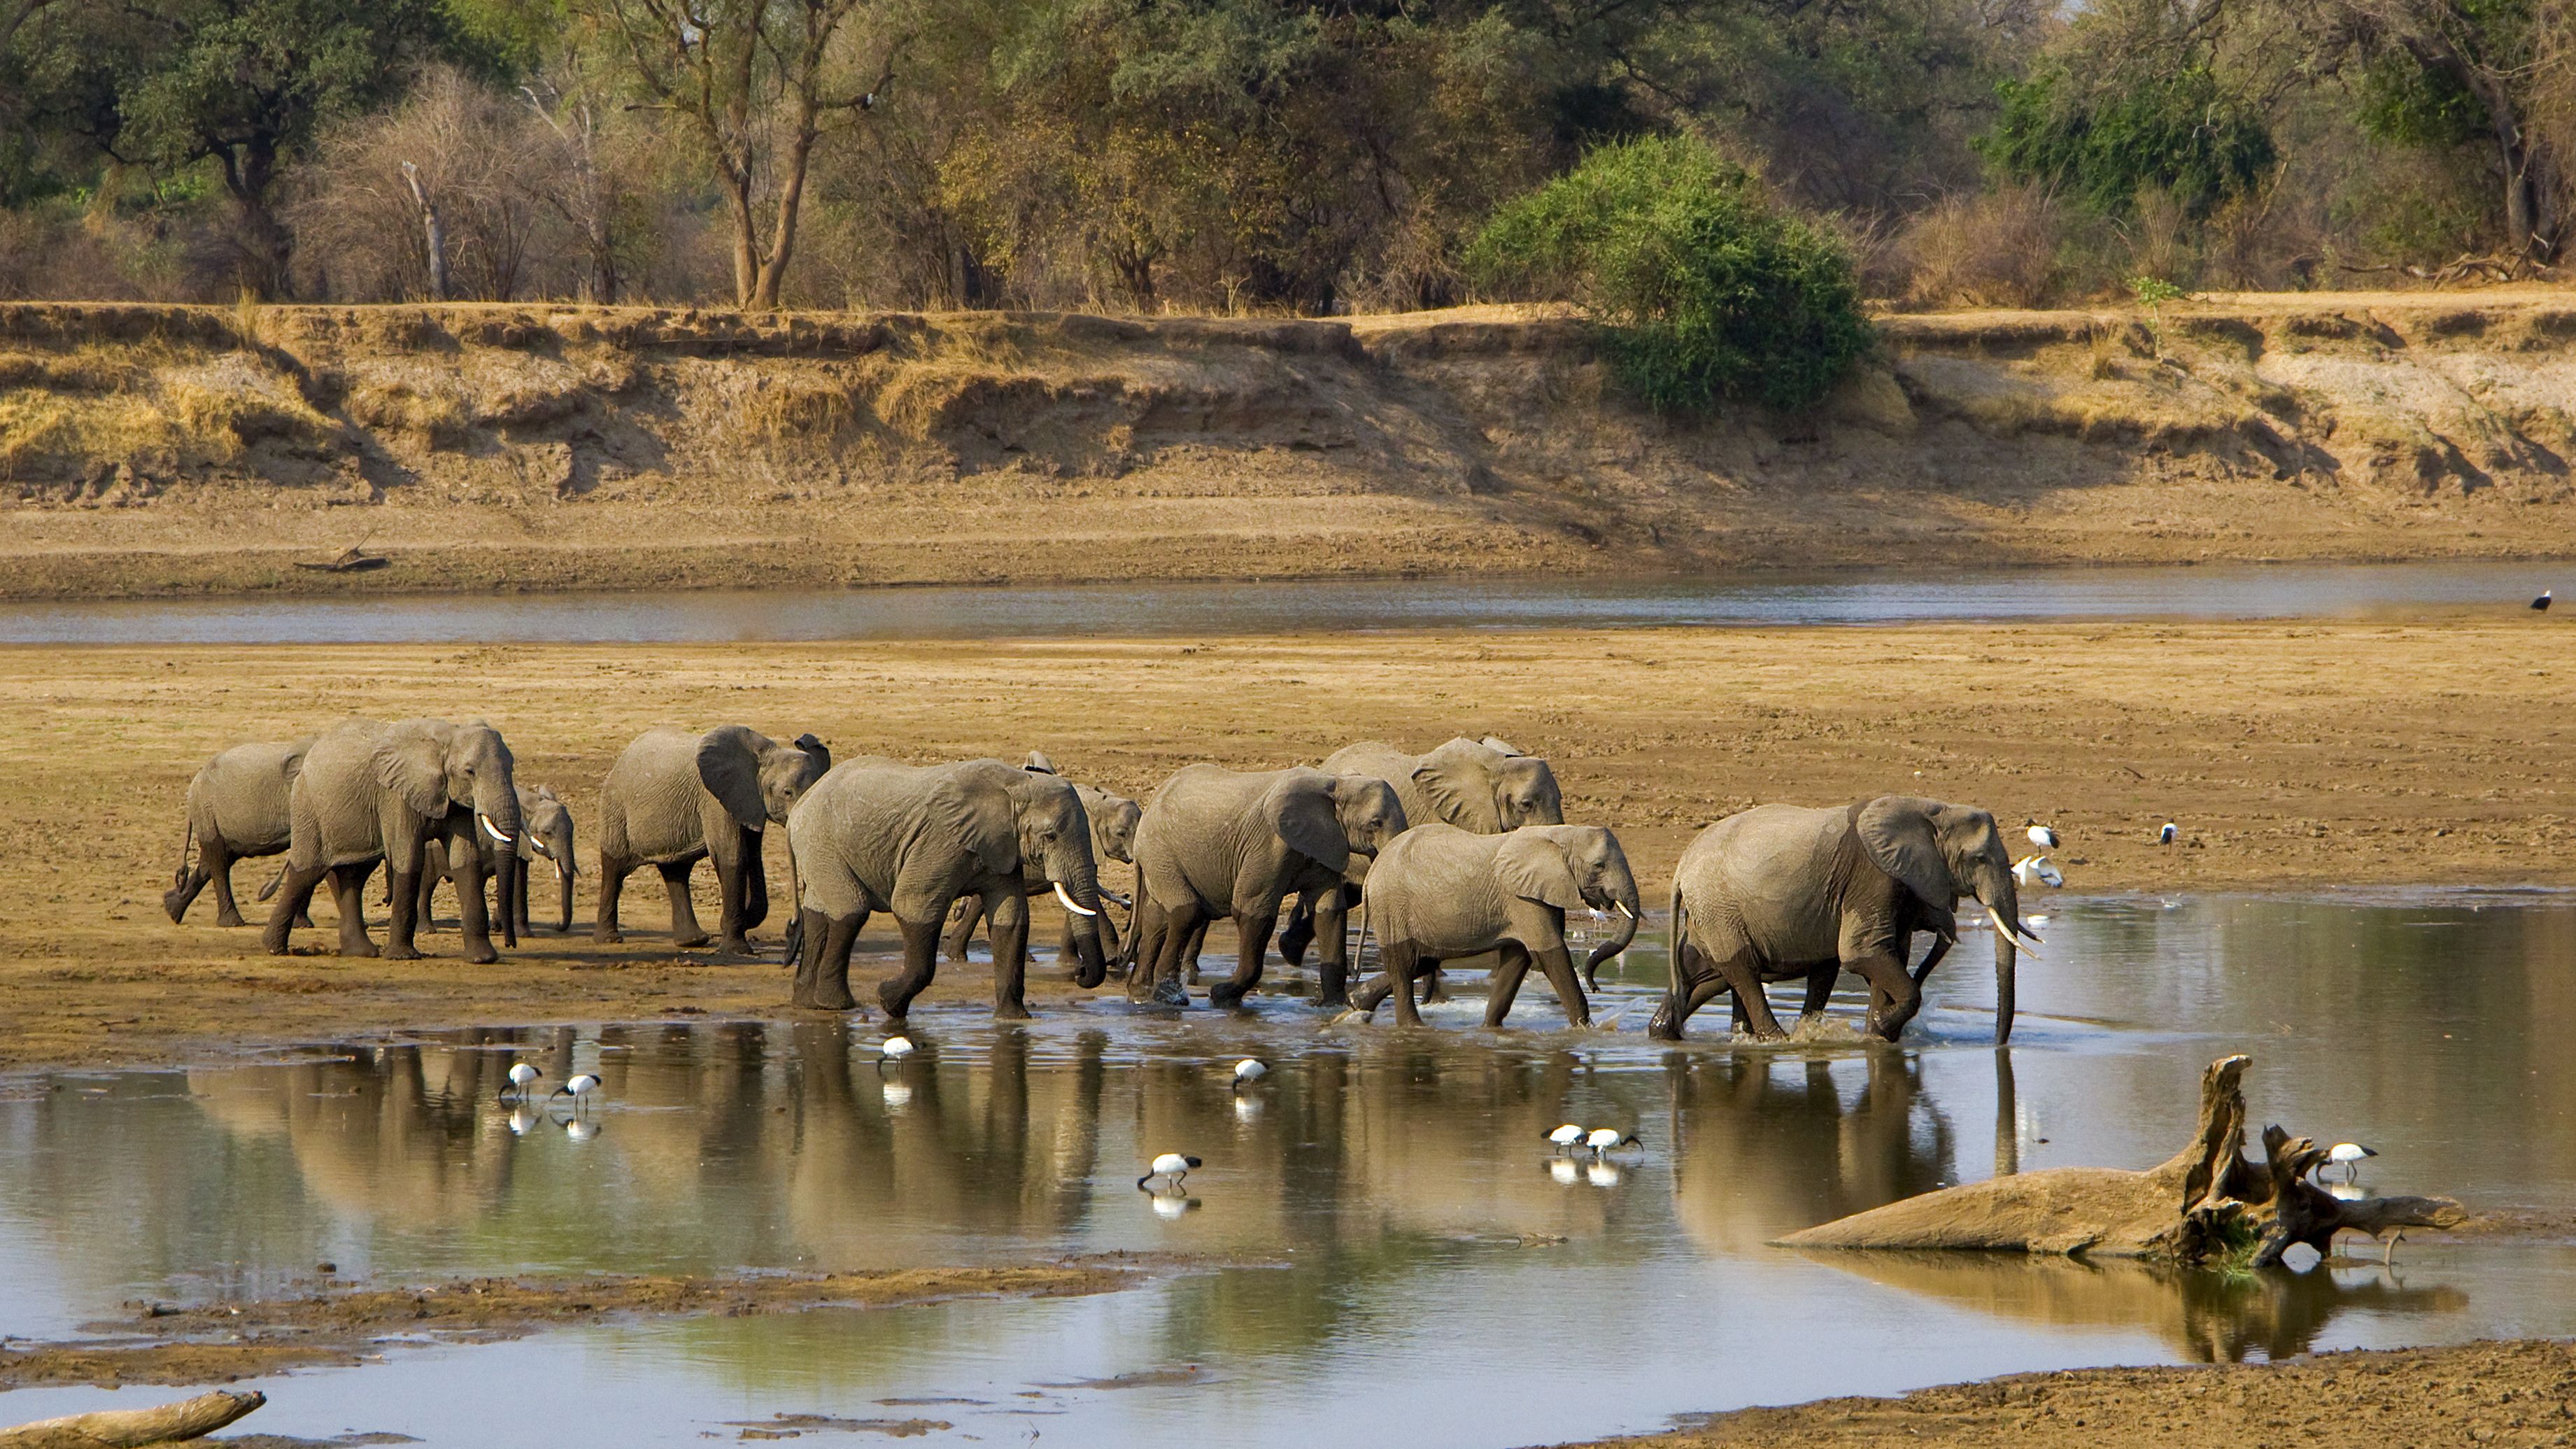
(130, 1428)
(2206, 1202)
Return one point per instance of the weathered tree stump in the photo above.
(129, 1428)
(2207, 1202)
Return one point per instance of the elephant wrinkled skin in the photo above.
(879, 836)
(676, 797)
(1782, 891)
(1113, 820)
(1437, 891)
(238, 809)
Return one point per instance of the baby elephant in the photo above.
(1438, 892)
(676, 797)
(237, 810)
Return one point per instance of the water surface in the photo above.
(1413, 1254)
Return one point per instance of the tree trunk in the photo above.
(791, 201)
(129, 1428)
(434, 233)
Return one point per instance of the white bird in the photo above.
(2043, 837)
(2169, 834)
(577, 1088)
(2036, 868)
(1604, 1139)
(893, 1049)
(520, 1075)
(1171, 1167)
(1566, 1137)
(2349, 1156)
(1249, 1071)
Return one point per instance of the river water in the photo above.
(1415, 1258)
(2239, 591)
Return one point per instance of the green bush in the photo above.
(2176, 132)
(1706, 289)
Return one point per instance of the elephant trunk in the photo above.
(563, 904)
(1994, 888)
(498, 826)
(1077, 884)
(1626, 905)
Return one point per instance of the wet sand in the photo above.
(2292, 755)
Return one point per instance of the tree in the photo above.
(761, 82)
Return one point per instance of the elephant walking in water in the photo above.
(1780, 892)
(676, 797)
(1438, 891)
(1113, 837)
(880, 836)
(371, 791)
(237, 810)
(1216, 842)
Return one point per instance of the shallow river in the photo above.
(1419, 1263)
(2237, 591)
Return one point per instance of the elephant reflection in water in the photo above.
(1766, 1147)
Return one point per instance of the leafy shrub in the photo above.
(1708, 290)
(2176, 132)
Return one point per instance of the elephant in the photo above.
(371, 791)
(1217, 841)
(676, 797)
(1113, 837)
(1784, 891)
(545, 834)
(1437, 891)
(237, 810)
(910, 840)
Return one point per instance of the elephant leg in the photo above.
(1181, 925)
(1738, 972)
(755, 884)
(1931, 958)
(961, 927)
(1333, 953)
(1304, 925)
(1894, 998)
(217, 864)
(1252, 942)
(465, 873)
(1431, 987)
(1695, 983)
(823, 960)
(293, 894)
(1820, 991)
(403, 926)
(434, 867)
(733, 895)
(1066, 952)
(612, 884)
(920, 964)
(349, 893)
(519, 899)
(685, 930)
(1558, 966)
(1404, 964)
(1144, 942)
(1506, 982)
(1195, 943)
(1008, 910)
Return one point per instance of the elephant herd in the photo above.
(1461, 852)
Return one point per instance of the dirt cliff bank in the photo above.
(155, 449)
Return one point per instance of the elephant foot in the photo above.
(738, 945)
(1340, 1001)
(1012, 1011)
(303, 922)
(175, 908)
(828, 1000)
(390, 953)
(1168, 993)
(1664, 1027)
(608, 938)
(692, 940)
(483, 956)
(230, 920)
(1226, 996)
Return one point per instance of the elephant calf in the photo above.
(238, 809)
(1437, 892)
(1216, 842)
(545, 834)
(1113, 837)
(1781, 891)
(675, 798)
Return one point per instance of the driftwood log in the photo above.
(128, 1428)
(2208, 1202)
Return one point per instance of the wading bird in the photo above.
(2036, 868)
(893, 1049)
(521, 1075)
(1605, 1139)
(577, 1088)
(2349, 1157)
(2042, 836)
(2541, 604)
(1171, 1167)
(1249, 1071)
(2169, 834)
(1566, 1137)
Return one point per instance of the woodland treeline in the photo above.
(1261, 155)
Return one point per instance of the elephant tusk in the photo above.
(497, 833)
(2022, 939)
(1623, 909)
(1069, 903)
(560, 872)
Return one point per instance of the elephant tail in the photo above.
(1676, 933)
(187, 842)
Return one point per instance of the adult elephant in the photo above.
(910, 840)
(1783, 891)
(1214, 842)
(1437, 891)
(1113, 837)
(676, 797)
(237, 810)
(371, 791)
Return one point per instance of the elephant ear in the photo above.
(1532, 866)
(1038, 764)
(982, 818)
(1301, 811)
(1459, 786)
(411, 761)
(821, 752)
(1502, 746)
(729, 766)
(1896, 833)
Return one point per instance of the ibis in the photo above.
(1249, 1071)
(2349, 1156)
(2043, 837)
(1567, 1136)
(893, 1049)
(578, 1088)
(1171, 1167)
(2169, 834)
(2036, 868)
(1604, 1139)
(2541, 604)
(521, 1075)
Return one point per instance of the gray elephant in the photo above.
(1217, 842)
(880, 836)
(676, 797)
(371, 791)
(545, 834)
(237, 810)
(1437, 892)
(1782, 891)
(1113, 837)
